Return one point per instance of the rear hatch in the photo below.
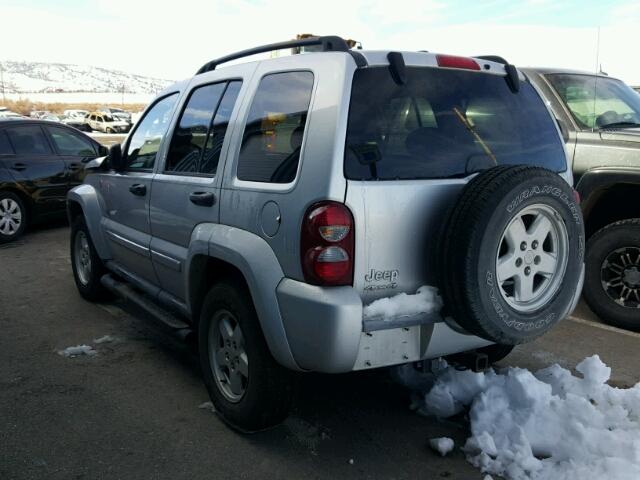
(412, 147)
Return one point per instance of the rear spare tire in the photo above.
(512, 254)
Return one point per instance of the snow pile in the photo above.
(104, 339)
(77, 350)
(426, 300)
(442, 445)
(547, 425)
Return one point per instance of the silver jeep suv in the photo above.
(288, 210)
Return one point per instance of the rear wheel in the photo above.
(247, 386)
(612, 281)
(13, 217)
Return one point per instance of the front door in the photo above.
(186, 192)
(37, 168)
(127, 193)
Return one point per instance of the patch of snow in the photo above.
(425, 300)
(545, 425)
(442, 445)
(104, 339)
(77, 350)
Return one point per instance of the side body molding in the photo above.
(87, 198)
(255, 259)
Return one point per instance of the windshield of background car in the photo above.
(445, 123)
(596, 104)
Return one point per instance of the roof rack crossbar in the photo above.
(329, 44)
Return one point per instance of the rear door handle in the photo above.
(204, 199)
(19, 167)
(138, 189)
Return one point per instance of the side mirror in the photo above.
(103, 151)
(116, 160)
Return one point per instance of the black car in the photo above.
(39, 162)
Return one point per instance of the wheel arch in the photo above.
(24, 196)
(84, 200)
(607, 197)
(223, 253)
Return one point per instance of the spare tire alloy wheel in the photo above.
(229, 360)
(532, 257)
(512, 254)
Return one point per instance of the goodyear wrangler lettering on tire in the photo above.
(512, 254)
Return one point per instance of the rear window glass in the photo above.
(445, 123)
(29, 140)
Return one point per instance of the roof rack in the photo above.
(329, 44)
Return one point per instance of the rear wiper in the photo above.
(620, 125)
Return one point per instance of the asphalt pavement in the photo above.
(132, 411)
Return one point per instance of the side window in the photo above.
(190, 136)
(67, 143)
(145, 142)
(5, 146)
(29, 140)
(211, 156)
(272, 138)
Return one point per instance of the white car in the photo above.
(106, 123)
(76, 113)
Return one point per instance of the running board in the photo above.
(127, 292)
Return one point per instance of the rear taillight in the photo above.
(327, 244)
(576, 197)
(453, 61)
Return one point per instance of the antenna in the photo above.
(595, 84)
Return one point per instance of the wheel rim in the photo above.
(10, 216)
(620, 276)
(82, 257)
(532, 258)
(227, 356)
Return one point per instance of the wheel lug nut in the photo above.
(536, 260)
(527, 270)
(534, 245)
(518, 262)
(523, 246)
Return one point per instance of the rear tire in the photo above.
(248, 388)
(13, 217)
(87, 266)
(612, 279)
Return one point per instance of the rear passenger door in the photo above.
(35, 165)
(186, 191)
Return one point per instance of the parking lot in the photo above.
(132, 410)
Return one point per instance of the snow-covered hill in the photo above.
(23, 77)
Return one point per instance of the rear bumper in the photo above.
(326, 332)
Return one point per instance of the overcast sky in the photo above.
(172, 39)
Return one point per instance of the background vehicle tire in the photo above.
(13, 217)
(87, 266)
(512, 254)
(247, 386)
(612, 280)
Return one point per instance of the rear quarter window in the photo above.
(445, 123)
